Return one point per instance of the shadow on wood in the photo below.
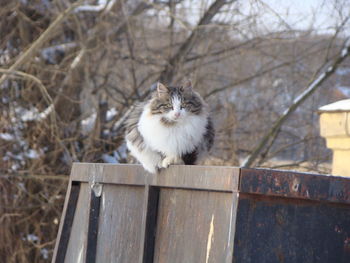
(120, 213)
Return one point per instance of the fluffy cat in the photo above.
(173, 127)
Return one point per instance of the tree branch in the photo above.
(22, 59)
(313, 85)
(168, 73)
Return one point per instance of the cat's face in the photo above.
(175, 103)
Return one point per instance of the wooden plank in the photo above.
(295, 185)
(120, 224)
(193, 226)
(60, 227)
(88, 172)
(177, 176)
(232, 227)
(95, 200)
(146, 196)
(66, 222)
(76, 250)
(211, 178)
(150, 225)
(127, 174)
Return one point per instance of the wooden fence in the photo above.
(120, 213)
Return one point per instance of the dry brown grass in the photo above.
(29, 215)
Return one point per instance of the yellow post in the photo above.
(335, 128)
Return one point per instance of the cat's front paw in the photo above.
(171, 160)
(166, 162)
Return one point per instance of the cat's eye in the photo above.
(188, 104)
(165, 106)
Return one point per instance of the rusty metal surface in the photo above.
(285, 230)
(295, 185)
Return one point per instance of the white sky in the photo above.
(302, 14)
(321, 15)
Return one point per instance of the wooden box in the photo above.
(120, 213)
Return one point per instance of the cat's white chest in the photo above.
(173, 140)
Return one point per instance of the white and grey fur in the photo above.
(173, 127)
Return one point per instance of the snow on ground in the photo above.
(109, 158)
(33, 114)
(111, 113)
(7, 137)
(101, 5)
(32, 238)
(32, 154)
(88, 123)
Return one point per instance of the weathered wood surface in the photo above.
(120, 224)
(193, 226)
(78, 238)
(192, 177)
(65, 228)
(203, 214)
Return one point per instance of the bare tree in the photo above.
(70, 74)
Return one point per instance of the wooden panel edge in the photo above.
(215, 178)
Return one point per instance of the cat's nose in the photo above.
(177, 114)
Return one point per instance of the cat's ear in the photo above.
(187, 86)
(161, 89)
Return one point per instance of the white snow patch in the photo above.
(34, 115)
(7, 137)
(32, 238)
(18, 157)
(4, 56)
(122, 152)
(14, 167)
(50, 53)
(342, 105)
(45, 253)
(88, 124)
(101, 5)
(111, 113)
(5, 100)
(32, 154)
(89, 8)
(343, 71)
(109, 159)
(329, 69)
(344, 52)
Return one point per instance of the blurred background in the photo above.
(71, 71)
